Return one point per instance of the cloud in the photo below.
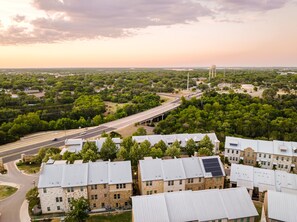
(78, 19)
(65, 20)
(250, 5)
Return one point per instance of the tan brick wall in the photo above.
(214, 183)
(157, 187)
(102, 196)
(249, 157)
(125, 196)
(196, 185)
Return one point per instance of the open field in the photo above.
(6, 191)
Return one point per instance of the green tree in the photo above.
(162, 145)
(89, 152)
(269, 94)
(79, 212)
(123, 154)
(204, 152)
(206, 143)
(140, 132)
(127, 143)
(156, 152)
(191, 147)
(173, 151)
(32, 197)
(108, 149)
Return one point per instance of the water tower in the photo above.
(212, 71)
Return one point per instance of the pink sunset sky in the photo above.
(147, 33)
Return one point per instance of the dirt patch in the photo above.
(128, 131)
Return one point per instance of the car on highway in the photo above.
(55, 139)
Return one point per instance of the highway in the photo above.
(15, 153)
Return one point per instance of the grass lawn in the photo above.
(119, 217)
(258, 206)
(29, 168)
(6, 191)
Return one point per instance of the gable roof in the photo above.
(175, 169)
(202, 205)
(83, 174)
(282, 206)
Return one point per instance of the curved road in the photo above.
(10, 207)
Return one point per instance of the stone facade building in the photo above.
(104, 184)
(280, 155)
(193, 173)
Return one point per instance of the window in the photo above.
(170, 182)
(227, 151)
(116, 196)
(70, 189)
(117, 205)
(286, 166)
(44, 190)
(69, 200)
(102, 205)
(232, 151)
(259, 154)
(155, 191)
(181, 182)
(58, 208)
(277, 158)
(48, 209)
(268, 163)
(122, 185)
(94, 187)
(288, 159)
(236, 151)
(150, 192)
(81, 189)
(94, 205)
(269, 156)
(282, 158)
(57, 199)
(104, 186)
(180, 189)
(126, 203)
(191, 180)
(149, 183)
(96, 197)
(105, 195)
(264, 155)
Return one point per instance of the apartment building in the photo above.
(76, 145)
(279, 207)
(207, 205)
(193, 173)
(105, 184)
(257, 180)
(275, 154)
(181, 138)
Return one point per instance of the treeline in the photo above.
(86, 111)
(235, 115)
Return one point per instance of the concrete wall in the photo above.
(214, 183)
(233, 155)
(77, 193)
(198, 184)
(157, 187)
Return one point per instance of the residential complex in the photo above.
(258, 180)
(279, 207)
(181, 138)
(193, 173)
(105, 184)
(207, 205)
(275, 154)
(76, 145)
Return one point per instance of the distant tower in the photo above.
(212, 72)
(188, 81)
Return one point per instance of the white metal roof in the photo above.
(264, 179)
(262, 146)
(205, 205)
(150, 208)
(75, 175)
(282, 206)
(82, 174)
(174, 169)
(119, 172)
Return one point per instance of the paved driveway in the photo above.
(10, 207)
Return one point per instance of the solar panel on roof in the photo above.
(212, 166)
